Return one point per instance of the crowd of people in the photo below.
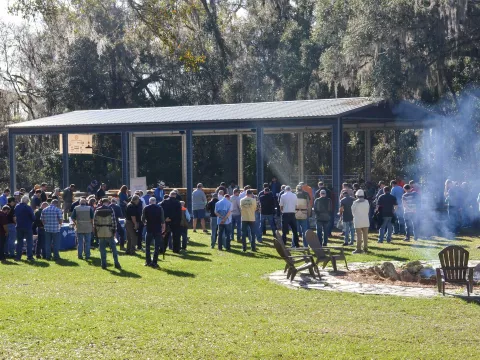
(160, 220)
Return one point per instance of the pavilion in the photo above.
(258, 119)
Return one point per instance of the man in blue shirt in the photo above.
(223, 212)
(52, 218)
(159, 192)
(397, 191)
(25, 219)
(4, 198)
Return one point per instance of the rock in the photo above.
(414, 267)
(427, 273)
(378, 271)
(406, 276)
(389, 270)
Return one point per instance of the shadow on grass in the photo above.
(66, 262)
(123, 273)
(253, 254)
(178, 273)
(42, 264)
(189, 256)
(9, 262)
(379, 248)
(194, 243)
(392, 257)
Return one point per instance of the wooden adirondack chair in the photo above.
(292, 269)
(322, 253)
(454, 268)
(288, 251)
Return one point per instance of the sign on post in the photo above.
(78, 144)
(138, 183)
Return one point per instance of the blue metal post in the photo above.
(65, 164)
(260, 161)
(12, 161)
(337, 160)
(189, 160)
(125, 164)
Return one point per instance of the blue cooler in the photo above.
(67, 238)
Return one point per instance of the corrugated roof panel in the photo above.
(226, 112)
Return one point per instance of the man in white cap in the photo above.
(361, 221)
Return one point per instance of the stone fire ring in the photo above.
(330, 282)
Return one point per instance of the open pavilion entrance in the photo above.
(305, 122)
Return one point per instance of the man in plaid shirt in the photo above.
(52, 219)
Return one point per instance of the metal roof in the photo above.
(205, 113)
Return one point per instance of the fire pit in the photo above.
(412, 279)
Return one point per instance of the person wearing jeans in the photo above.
(410, 203)
(25, 218)
(40, 248)
(346, 214)
(386, 207)
(267, 211)
(52, 218)
(223, 212)
(248, 206)
(82, 217)
(213, 219)
(154, 220)
(236, 214)
(322, 208)
(288, 204)
(386, 228)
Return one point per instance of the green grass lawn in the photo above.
(215, 305)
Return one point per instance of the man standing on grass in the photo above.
(347, 217)
(67, 201)
(35, 201)
(267, 211)
(131, 225)
(236, 214)
(322, 208)
(173, 216)
(288, 204)
(82, 217)
(199, 201)
(410, 201)
(25, 217)
(386, 206)
(248, 205)
(40, 247)
(154, 221)
(105, 226)
(52, 218)
(117, 210)
(223, 212)
(3, 230)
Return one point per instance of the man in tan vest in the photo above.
(105, 226)
(82, 217)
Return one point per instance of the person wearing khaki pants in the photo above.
(361, 221)
(362, 238)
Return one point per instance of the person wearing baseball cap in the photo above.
(361, 221)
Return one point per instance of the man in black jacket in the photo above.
(322, 208)
(173, 216)
(267, 210)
